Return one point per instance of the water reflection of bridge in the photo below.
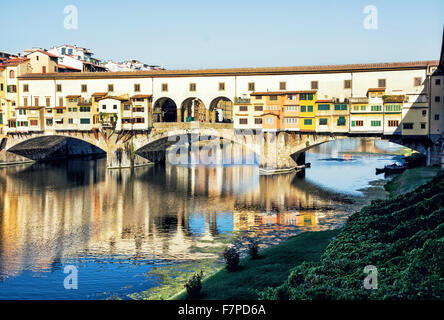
(50, 212)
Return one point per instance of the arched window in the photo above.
(11, 74)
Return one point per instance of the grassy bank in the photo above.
(410, 179)
(270, 269)
(402, 237)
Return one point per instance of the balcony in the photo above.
(241, 100)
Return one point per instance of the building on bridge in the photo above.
(388, 98)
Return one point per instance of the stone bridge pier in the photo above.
(285, 151)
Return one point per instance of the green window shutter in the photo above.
(323, 121)
(310, 96)
(310, 108)
(353, 123)
(303, 108)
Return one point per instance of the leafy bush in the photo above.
(403, 237)
(253, 249)
(231, 256)
(194, 285)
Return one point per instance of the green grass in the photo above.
(270, 269)
(411, 179)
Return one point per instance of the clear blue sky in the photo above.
(231, 33)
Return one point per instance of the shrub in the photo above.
(253, 249)
(231, 256)
(194, 285)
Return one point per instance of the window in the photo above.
(340, 107)
(438, 82)
(309, 108)
(49, 110)
(34, 122)
(137, 87)
(258, 97)
(382, 83)
(423, 125)
(376, 108)
(310, 96)
(85, 121)
(347, 84)
(357, 123)
(103, 107)
(60, 102)
(48, 101)
(323, 121)
(59, 88)
(407, 125)
(363, 108)
(49, 122)
(437, 117)
(36, 101)
(323, 107)
(243, 121)
(192, 87)
(164, 87)
(59, 110)
(25, 88)
(84, 109)
(308, 122)
(341, 121)
(292, 120)
(437, 99)
(393, 123)
(25, 101)
(292, 108)
(70, 121)
(314, 85)
(269, 120)
(392, 108)
(243, 108)
(282, 86)
(273, 98)
(424, 113)
(376, 123)
(303, 108)
(417, 82)
(221, 86)
(84, 88)
(291, 97)
(115, 107)
(1, 86)
(110, 88)
(251, 86)
(11, 74)
(258, 121)
(258, 108)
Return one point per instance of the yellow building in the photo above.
(307, 119)
(341, 116)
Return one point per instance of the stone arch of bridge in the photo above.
(39, 147)
(155, 148)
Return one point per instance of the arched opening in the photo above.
(11, 74)
(193, 109)
(221, 110)
(48, 148)
(165, 110)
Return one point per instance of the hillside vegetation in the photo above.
(402, 237)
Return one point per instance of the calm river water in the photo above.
(115, 226)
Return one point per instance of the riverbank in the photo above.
(402, 236)
(270, 269)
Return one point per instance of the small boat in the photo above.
(394, 169)
(391, 169)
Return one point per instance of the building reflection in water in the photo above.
(49, 212)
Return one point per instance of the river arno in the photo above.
(115, 226)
